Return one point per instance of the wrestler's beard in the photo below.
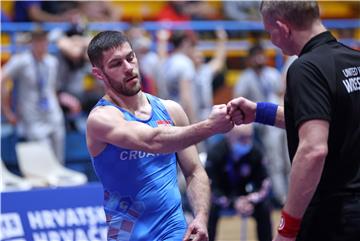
(121, 89)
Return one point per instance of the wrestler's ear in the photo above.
(98, 73)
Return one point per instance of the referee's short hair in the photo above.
(300, 14)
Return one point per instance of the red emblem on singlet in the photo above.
(163, 123)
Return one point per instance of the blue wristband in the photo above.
(266, 113)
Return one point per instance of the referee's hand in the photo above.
(241, 110)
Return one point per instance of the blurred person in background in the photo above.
(66, 11)
(173, 11)
(205, 73)
(148, 58)
(100, 11)
(242, 10)
(74, 67)
(260, 82)
(200, 10)
(177, 75)
(239, 181)
(46, 11)
(37, 114)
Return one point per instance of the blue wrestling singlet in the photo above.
(141, 196)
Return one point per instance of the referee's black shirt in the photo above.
(324, 83)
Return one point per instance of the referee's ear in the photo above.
(283, 27)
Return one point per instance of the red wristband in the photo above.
(289, 226)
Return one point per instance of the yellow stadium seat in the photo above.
(339, 9)
(7, 7)
(5, 40)
(136, 11)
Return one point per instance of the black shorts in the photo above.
(334, 219)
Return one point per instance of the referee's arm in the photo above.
(307, 166)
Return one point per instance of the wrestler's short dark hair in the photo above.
(102, 42)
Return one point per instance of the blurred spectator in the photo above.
(74, 66)
(100, 11)
(348, 37)
(177, 75)
(260, 82)
(200, 10)
(149, 60)
(66, 11)
(239, 181)
(242, 10)
(60, 7)
(285, 67)
(38, 115)
(46, 11)
(205, 73)
(174, 11)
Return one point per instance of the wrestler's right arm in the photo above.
(106, 124)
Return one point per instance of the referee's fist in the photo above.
(241, 110)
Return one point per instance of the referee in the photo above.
(322, 119)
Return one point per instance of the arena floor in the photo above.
(229, 228)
